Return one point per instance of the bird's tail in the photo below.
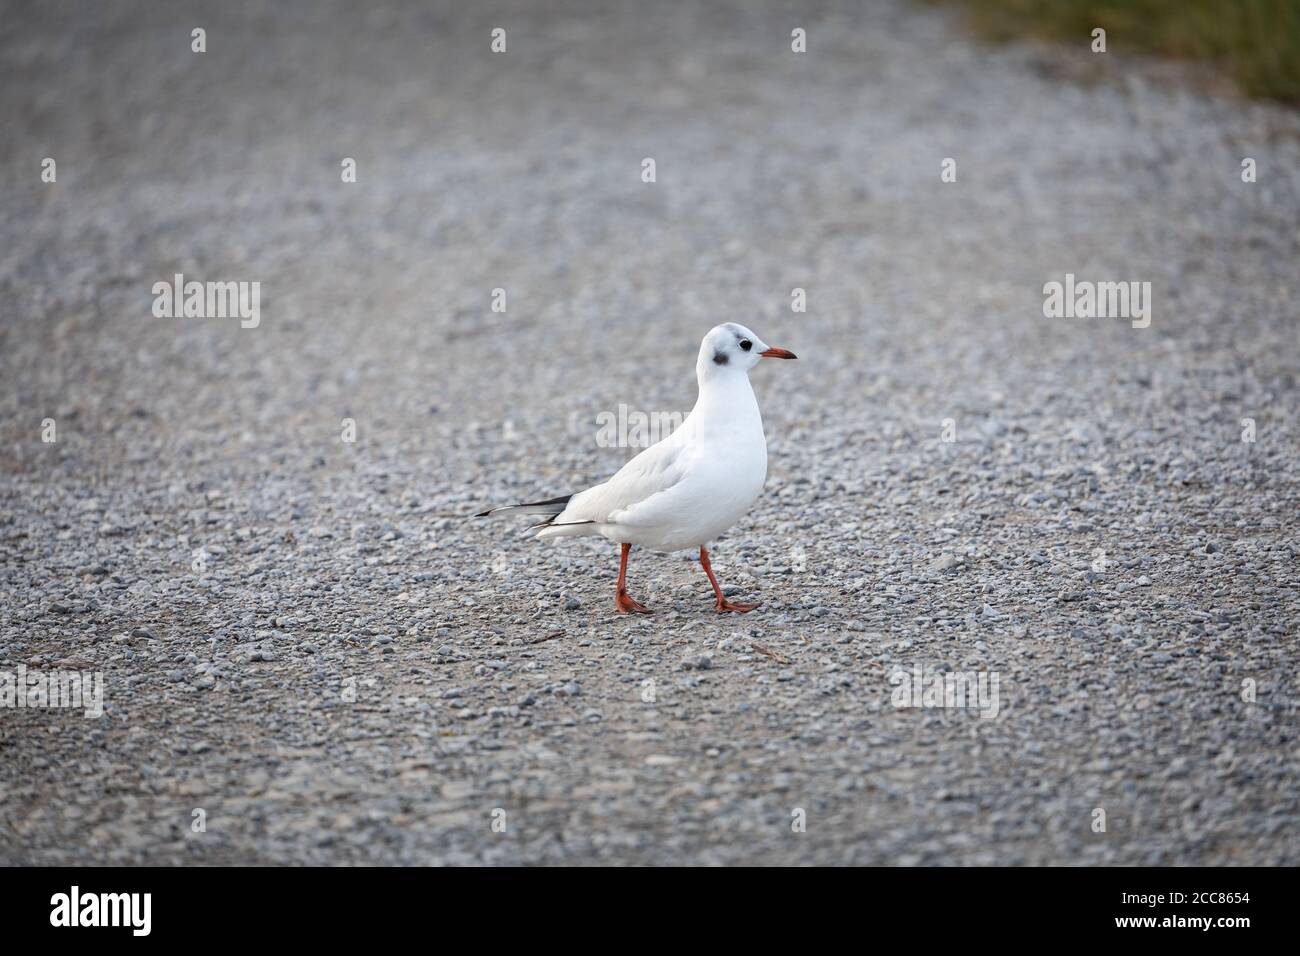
(552, 507)
(546, 528)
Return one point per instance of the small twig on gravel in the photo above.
(548, 637)
(768, 652)
(64, 664)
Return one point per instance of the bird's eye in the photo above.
(746, 345)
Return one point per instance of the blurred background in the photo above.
(1254, 42)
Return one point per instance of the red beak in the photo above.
(778, 353)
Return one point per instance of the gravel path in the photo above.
(306, 639)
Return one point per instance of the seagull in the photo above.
(687, 489)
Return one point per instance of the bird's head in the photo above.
(731, 347)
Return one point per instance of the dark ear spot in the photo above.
(719, 358)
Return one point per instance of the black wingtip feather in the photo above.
(551, 506)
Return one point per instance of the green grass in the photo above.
(1257, 42)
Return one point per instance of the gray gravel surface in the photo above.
(358, 674)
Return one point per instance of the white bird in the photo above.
(688, 488)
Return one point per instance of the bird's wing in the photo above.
(653, 472)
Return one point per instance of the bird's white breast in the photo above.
(723, 465)
(689, 488)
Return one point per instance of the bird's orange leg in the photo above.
(722, 603)
(622, 600)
